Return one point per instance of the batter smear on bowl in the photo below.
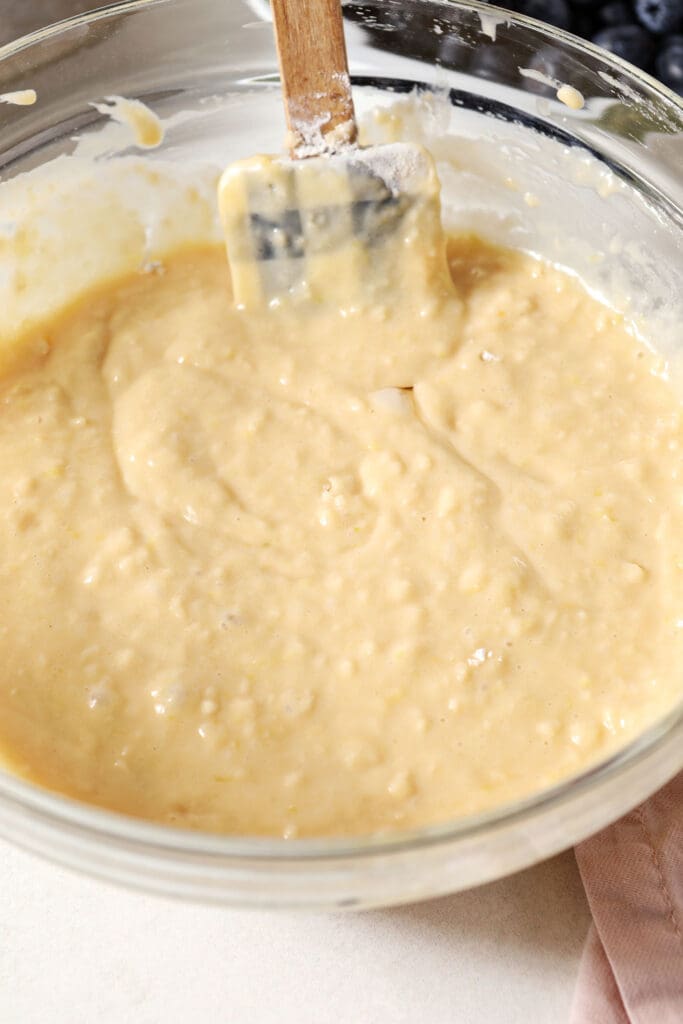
(335, 574)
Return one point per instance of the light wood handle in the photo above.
(315, 75)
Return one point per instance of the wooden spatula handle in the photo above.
(315, 75)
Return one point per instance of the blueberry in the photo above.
(554, 12)
(630, 42)
(669, 64)
(616, 12)
(660, 15)
(585, 22)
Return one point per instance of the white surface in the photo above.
(75, 951)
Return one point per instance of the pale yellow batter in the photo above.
(339, 574)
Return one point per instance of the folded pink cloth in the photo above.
(632, 966)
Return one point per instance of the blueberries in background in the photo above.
(554, 12)
(647, 33)
(630, 42)
(660, 15)
(585, 21)
(638, 31)
(615, 12)
(669, 63)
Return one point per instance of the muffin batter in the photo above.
(352, 573)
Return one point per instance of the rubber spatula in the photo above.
(334, 222)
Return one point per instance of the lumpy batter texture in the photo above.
(338, 573)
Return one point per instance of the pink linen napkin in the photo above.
(632, 966)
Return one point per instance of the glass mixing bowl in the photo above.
(598, 188)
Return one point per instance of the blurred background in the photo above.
(647, 33)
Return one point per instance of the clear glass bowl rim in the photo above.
(57, 810)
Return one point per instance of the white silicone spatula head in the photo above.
(334, 223)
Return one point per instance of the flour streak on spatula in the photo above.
(336, 223)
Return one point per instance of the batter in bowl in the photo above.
(341, 574)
